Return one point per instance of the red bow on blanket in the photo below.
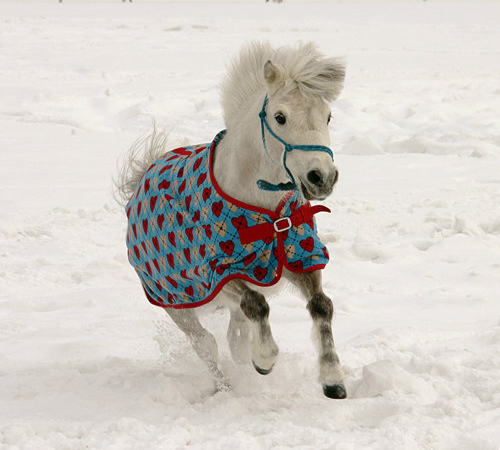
(265, 230)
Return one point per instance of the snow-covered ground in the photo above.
(87, 363)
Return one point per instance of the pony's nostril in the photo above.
(315, 177)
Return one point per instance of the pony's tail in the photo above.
(141, 155)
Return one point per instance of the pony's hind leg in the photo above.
(202, 341)
(264, 351)
(321, 309)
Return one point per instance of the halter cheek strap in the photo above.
(291, 185)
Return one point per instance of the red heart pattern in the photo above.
(197, 164)
(307, 244)
(201, 179)
(164, 185)
(207, 192)
(217, 208)
(296, 266)
(208, 231)
(171, 239)
(164, 169)
(170, 259)
(182, 187)
(171, 281)
(222, 268)
(249, 258)
(156, 243)
(227, 247)
(160, 219)
(260, 272)
(239, 222)
(187, 202)
(152, 203)
(187, 255)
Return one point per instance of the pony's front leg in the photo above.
(255, 307)
(321, 309)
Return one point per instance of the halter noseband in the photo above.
(291, 185)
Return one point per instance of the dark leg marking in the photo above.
(321, 309)
(254, 306)
(264, 349)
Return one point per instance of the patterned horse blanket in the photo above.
(186, 238)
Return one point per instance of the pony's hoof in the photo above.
(262, 371)
(335, 391)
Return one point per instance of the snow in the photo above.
(87, 363)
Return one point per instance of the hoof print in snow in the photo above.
(335, 391)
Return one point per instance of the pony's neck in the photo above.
(240, 160)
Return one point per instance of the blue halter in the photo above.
(291, 185)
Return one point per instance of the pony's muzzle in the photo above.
(318, 183)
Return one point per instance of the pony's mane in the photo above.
(306, 69)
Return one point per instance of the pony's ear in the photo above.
(333, 73)
(334, 70)
(274, 75)
(325, 78)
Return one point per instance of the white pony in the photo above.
(275, 150)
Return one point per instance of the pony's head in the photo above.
(300, 83)
(297, 83)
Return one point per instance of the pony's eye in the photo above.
(280, 118)
(329, 119)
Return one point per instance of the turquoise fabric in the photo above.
(183, 235)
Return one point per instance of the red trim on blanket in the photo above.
(225, 280)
